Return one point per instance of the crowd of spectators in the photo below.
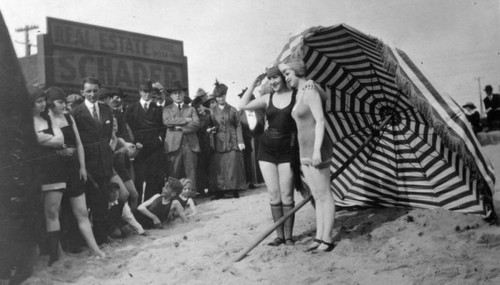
(110, 169)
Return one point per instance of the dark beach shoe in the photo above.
(329, 246)
(276, 242)
(314, 245)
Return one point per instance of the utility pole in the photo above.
(481, 112)
(27, 43)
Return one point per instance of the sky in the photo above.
(454, 42)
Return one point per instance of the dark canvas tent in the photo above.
(19, 194)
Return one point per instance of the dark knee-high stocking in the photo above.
(53, 244)
(277, 212)
(288, 224)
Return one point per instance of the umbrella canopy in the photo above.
(416, 148)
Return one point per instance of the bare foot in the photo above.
(99, 253)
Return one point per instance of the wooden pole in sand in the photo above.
(309, 197)
(273, 227)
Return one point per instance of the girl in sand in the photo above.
(64, 170)
(276, 147)
(158, 209)
(185, 197)
(315, 150)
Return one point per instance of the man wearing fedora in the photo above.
(181, 141)
(492, 105)
(145, 120)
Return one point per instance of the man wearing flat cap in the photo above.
(163, 99)
(145, 120)
(181, 141)
(492, 105)
(114, 99)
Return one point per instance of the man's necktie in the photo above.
(94, 113)
(146, 107)
(179, 106)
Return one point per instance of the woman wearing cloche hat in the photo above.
(473, 116)
(64, 171)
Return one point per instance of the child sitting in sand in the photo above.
(120, 217)
(185, 197)
(160, 208)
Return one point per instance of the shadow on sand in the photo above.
(353, 223)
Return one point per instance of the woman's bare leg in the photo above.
(133, 195)
(123, 192)
(51, 206)
(319, 183)
(79, 206)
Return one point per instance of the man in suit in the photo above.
(492, 105)
(181, 141)
(145, 120)
(95, 124)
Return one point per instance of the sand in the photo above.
(374, 246)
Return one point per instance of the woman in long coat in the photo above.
(227, 171)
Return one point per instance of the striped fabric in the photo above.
(425, 156)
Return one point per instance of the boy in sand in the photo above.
(120, 217)
(160, 208)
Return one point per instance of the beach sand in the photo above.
(374, 246)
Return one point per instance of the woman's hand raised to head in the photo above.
(259, 79)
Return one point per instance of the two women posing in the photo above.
(294, 108)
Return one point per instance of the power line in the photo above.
(480, 96)
(27, 43)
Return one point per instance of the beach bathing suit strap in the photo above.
(294, 96)
(49, 129)
(182, 202)
(68, 119)
(270, 100)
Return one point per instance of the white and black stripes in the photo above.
(410, 163)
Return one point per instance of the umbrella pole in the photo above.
(268, 231)
(375, 133)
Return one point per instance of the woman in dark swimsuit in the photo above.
(276, 148)
(64, 171)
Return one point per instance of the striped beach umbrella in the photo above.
(413, 146)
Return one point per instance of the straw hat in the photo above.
(200, 93)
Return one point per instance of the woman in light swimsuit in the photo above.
(315, 150)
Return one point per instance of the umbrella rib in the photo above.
(371, 148)
(350, 112)
(354, 134)
(395, 155)
(421, 166)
